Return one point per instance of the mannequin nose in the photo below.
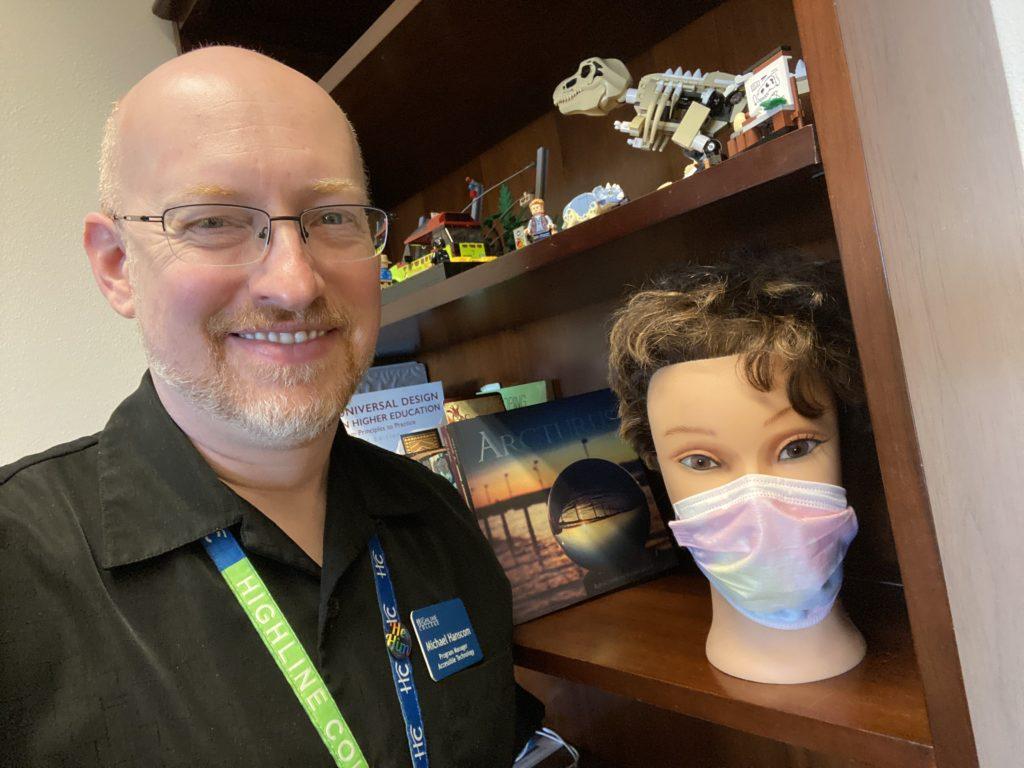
(287, 276)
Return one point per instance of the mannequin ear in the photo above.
(109, 262)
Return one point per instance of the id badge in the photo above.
(446, 638)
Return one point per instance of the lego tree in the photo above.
(503, 223)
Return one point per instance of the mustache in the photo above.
(319, 314)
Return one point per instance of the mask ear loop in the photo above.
(532, 754)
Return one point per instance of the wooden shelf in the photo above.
(456, 77)
(647, 643)
(587, 263)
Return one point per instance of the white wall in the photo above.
(1009, 20)
(65, 358)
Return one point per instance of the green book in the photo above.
(522, 395)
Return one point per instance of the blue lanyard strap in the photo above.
(399, 644)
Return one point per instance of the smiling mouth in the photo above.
(282, 337)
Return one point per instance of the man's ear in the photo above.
(109, 262)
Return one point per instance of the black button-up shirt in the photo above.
(121, 644)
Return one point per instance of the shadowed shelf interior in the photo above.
(573, 268)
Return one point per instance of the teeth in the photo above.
(283, 337)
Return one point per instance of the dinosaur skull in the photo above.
(596, 88)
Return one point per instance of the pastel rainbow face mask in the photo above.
(773, 547)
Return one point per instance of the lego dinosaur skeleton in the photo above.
(685, 108)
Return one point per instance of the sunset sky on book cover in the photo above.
(565, 503)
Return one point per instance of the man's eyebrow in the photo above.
(694, 430)
(337, 184)
(325, 185)
(207, 190)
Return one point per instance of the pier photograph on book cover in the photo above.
(565, 503)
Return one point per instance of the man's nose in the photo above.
(286, 277)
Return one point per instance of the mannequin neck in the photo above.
(745, 649)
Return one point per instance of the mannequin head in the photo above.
(731, 380)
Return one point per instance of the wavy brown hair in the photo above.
(777, 313)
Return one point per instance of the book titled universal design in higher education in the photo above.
(383, 416)
(565, 503)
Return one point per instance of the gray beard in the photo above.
(268, 419)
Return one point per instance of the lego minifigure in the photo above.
(540, 224)
(386, 278)
(476, 197)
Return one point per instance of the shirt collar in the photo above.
(157, 493)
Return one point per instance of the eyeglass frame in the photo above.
(303, 233)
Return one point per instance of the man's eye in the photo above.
(335, 218)
(212, 223)
(799, 448)
(699, 461)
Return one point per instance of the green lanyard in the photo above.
(285, 648)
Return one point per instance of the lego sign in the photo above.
(472, 249)
(768, 84)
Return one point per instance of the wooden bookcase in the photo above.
(460, 89)
(637, 654)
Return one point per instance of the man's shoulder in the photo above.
(46, 499)
(52, 459)
(41, 479)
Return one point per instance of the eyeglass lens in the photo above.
(230, 235)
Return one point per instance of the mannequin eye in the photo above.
(799, 448)
(699, 462)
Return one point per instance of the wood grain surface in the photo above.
(947, 189)
(613, 731)
(865, 266)
(647, 642)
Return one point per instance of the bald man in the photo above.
(222, 576)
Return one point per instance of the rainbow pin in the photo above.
(398, 641)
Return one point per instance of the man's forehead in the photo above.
(327, 185)
(233, 123)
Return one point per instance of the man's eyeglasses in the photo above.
(235, 235)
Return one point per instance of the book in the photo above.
(522, 395)
(567, 505)
(392, 377)
(430, 447)
(470, 408)
(382, 417)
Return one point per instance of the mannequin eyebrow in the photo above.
(772, 419)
